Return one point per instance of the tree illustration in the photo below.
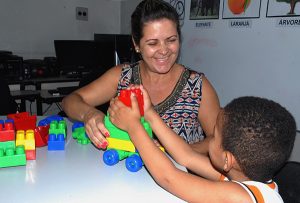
(292, 5)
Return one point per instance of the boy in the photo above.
(253, 138)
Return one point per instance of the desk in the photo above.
(77, 174)
(23, 95)
(46, 97)
(37, 83)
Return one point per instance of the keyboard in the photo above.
(63, 90)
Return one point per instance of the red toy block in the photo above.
(41, 135)
(30, 154)
(125, 98)
(7, 132)
(23, 121)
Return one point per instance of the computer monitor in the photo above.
(123, 49)
(77, 55)
(106, 49)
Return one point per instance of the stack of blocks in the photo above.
(10, 155)
(57, 135)
(42, 130)
(25, 125)
(26, 139)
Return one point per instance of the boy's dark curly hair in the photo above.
(260, 133)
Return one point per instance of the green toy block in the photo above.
(7, 144)
(121, 134)
(58, 127)
(13, 157)
(79, 135)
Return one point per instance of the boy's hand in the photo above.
(148, 108)
(122, 116)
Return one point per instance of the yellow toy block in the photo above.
(124, 145)
(26, 138)
(120, 144)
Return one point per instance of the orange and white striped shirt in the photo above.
(260, 192)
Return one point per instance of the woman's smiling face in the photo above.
(159, 45)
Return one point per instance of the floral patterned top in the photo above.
(180, 109)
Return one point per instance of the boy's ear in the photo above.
(229, 161)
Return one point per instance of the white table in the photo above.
(77, 174)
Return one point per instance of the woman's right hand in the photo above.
(95, 129)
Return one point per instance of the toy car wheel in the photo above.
(134, 163)
(111, 157)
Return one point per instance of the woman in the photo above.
(184, 99)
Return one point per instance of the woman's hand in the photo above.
(95, 129)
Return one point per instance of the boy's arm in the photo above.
(179, 150)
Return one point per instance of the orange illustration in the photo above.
(238, 6)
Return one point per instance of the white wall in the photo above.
(29, 27)
(295, 156)
(262, 60)
(127, 7)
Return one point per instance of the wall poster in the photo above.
(283, 8)
(241, 9)
(179, 5)
(204, 9)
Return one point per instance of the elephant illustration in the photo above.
(204, 6)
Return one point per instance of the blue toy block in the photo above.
(9, 120)
(77, 124)
(49, 119)
(56, 142)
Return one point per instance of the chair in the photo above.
(85, 81)
(288, 181)
(7, 103)
(90, 78)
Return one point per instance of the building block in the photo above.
(58, 127)
(119, 144)
(56, 142)
(125, 98)
(12, 157)
(30, 154)
(121, 134)
(7, 144)
(78, 133)
(49, 119)
(41, 135)
(77, 124)
(23, 121)
(25, 138)
(10, 121)
(7, 131)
